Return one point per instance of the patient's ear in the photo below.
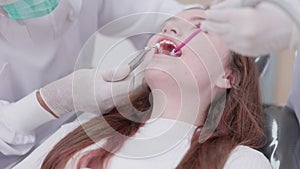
(225, 81)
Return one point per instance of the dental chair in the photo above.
(282, 130)
(283, 137)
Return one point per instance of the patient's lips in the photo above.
(166, 46)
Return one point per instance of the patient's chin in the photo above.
(157, 79)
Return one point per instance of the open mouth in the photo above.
(166, 47)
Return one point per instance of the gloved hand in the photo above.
(85, 90)
(251, 31)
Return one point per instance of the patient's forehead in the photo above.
(192, 12)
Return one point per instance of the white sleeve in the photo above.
(294, 96)
(114, 9)
(247, 158)
(17, 122)
(36, 158)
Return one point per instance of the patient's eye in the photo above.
(197, 21)
(173, 30)
(198, 25)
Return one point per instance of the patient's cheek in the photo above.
(221, 48)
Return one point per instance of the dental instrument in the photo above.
(135, 62)
(124, 71)
(174, 51)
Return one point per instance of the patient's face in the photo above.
(201, 61)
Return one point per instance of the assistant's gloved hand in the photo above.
(85, 90)
(251, 31)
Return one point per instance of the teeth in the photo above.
(167, 42)
(167, 47)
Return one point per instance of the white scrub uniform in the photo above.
(38, 51)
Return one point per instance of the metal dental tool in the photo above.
(124, 71)
(135, 62)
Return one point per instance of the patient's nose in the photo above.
(171, 30)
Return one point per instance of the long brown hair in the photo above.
(240, 124)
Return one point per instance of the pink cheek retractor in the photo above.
(174, 51)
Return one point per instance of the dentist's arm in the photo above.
(84, 90)
(253, 31)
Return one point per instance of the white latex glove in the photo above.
(251, 31)
(85, 90)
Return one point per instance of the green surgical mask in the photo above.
(27, 9)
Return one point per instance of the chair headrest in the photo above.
(283, 137)
(262, 64)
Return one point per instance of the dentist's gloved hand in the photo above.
(85, 90)
(251, 31)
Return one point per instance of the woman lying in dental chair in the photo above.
(204, 112)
